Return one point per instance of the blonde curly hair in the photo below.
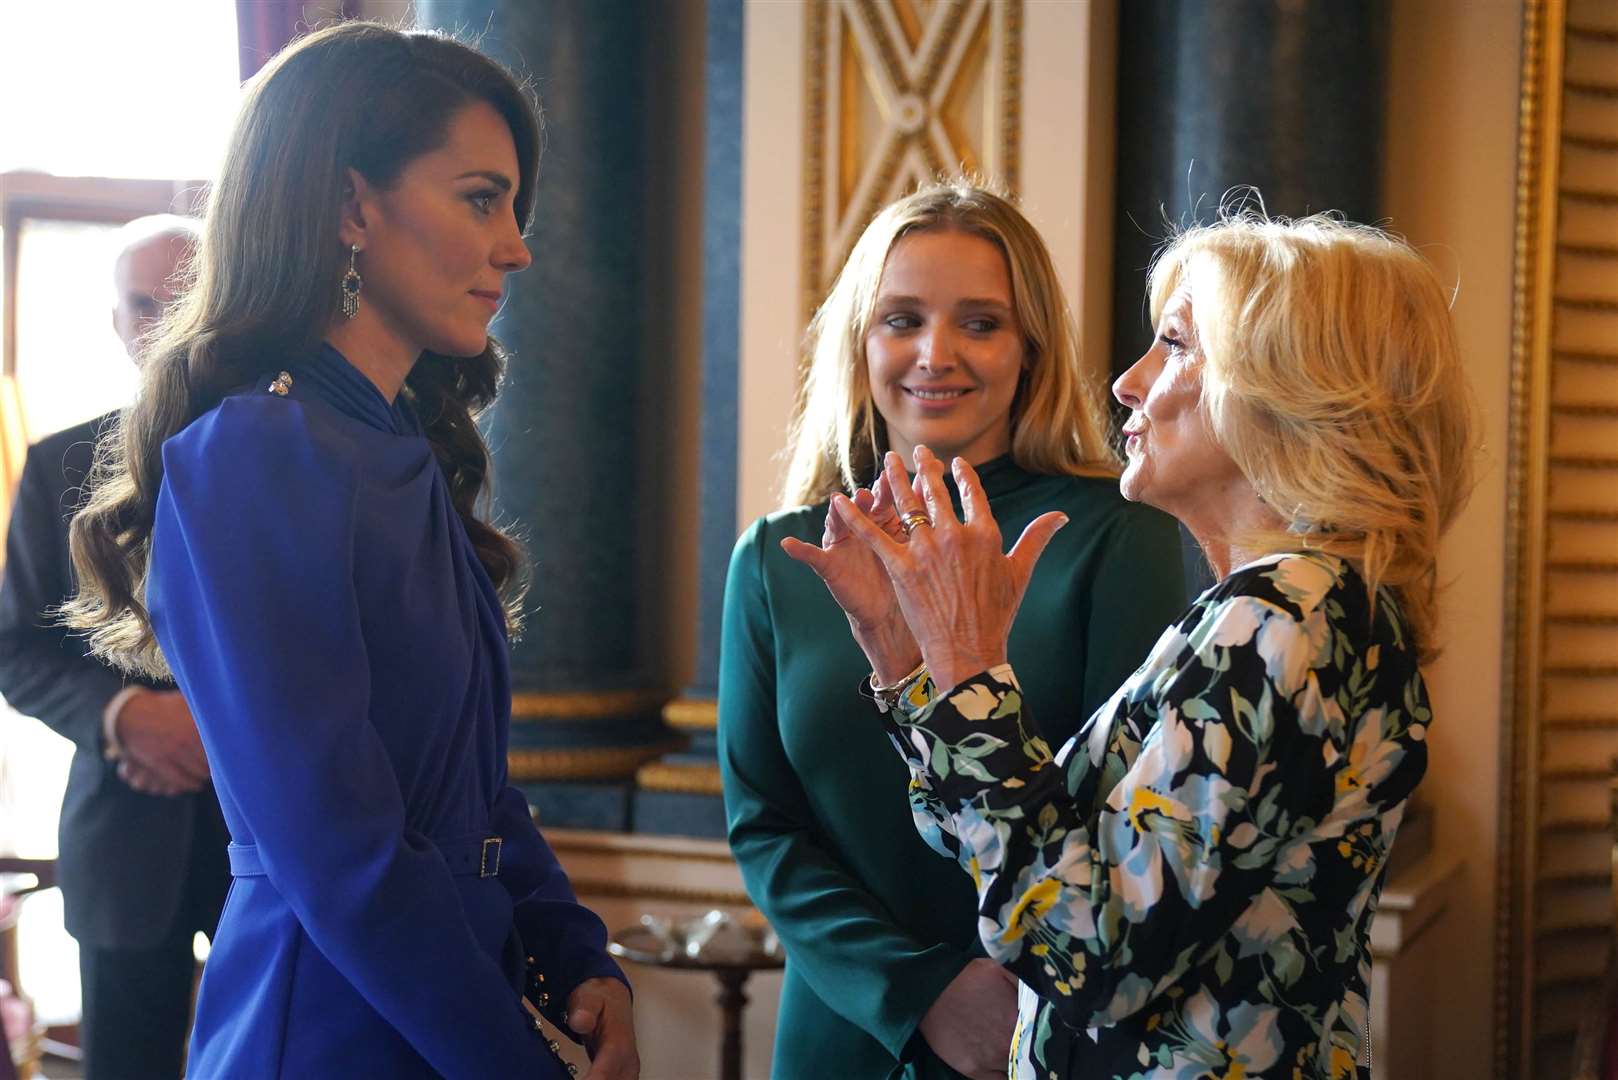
(1332, 376)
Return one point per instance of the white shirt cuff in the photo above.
(111, 748)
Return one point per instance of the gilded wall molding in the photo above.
(680, 777)
(585, 763)
(1560, 662)
(897, 92)
(585, 704)
(1513, 1003)
(692, 714)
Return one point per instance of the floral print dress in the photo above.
(1187, 889)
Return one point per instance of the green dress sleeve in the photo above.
(836, 933)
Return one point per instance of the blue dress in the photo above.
(345, 656)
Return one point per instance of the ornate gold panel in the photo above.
(1560, 739)
(897, 92)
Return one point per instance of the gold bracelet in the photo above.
(888, 696)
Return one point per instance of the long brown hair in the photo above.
(1058, 422)
(264, 285)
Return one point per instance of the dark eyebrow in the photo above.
(499, 180)
(969, 301)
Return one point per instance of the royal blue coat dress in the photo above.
(345, 656)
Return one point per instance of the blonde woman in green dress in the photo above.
(1186, 888)
(947, 326)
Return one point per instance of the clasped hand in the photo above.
(600, 1011)
(162, 752)
(946, 590)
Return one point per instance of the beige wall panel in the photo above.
(1579, 593)
(1583, 644)
(1586, 330)
(772, 244)
(1585, 541)
(1585, 113)
(1592, 748)
(1583, 489)
(1593, 13)
(1565, 801)
(1586, 275)
(1451, 168)
(1589, 168)
(1593, 437)
(1585, 382)
(1586, 852)
(1581, 695)
(1588, 223)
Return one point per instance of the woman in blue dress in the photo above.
(288, 525)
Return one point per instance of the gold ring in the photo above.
(912, 519)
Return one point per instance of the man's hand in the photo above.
(600, 1011)
(969, 1026)
(162, 752)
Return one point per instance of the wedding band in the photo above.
(912, 519)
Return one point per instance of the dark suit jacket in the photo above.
(123, 856)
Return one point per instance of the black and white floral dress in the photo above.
(1186, 889)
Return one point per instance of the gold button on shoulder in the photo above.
(282, 384)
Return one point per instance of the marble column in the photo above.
(581, 430)
(1285, 96)
(680, 793)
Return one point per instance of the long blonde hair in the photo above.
(1332, 376)
(1059, 423)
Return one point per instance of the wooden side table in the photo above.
(731, 965)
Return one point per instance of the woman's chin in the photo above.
(1132, 484)
(462, 346)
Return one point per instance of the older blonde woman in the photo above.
(947, 326)
(1186, 889)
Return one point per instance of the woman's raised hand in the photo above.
(859, 583)
(957, 591)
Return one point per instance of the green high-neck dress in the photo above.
(875, 924)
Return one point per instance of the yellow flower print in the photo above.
(1039, 899)
(1144, 799)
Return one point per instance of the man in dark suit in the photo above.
(141, 859)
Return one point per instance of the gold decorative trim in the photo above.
(814, 163)
(638, 845)
(1011, 98)
(681, 777)
(585, 704)
(586, 763)
(914, 70)
(692, 714)
(1527, 499)
(680, 894)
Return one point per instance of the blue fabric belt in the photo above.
(467, 856)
